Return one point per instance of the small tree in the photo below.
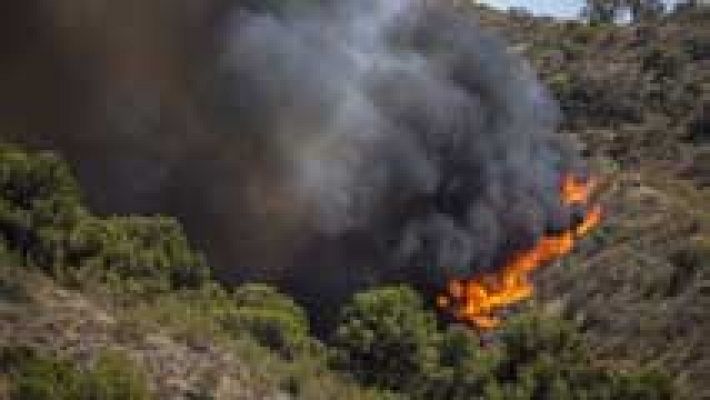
(468, 370)
(386, 338)
(43, 220)
(144, 249)
(39, 205)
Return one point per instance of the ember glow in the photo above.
(476, 300)
(576, 191)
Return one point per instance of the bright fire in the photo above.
(476, 300)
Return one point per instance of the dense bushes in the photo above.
(34, 377)
(467, 368)
(142, 248)
(635, 92)
(547, 358)
(39, 205)
(41, 217)
(387, 339)
(265, 330)
(273, 319)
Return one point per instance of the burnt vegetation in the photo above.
(99, 306)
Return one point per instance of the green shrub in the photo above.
(560, 83)
(45, 379)
(272, 318)
(638, 385)
(386, 338)
(41, 217)
(39, 205)
(33, 377)
(468, 368)
(546, 358)
(141, 248)
(529, 337)
(114, 377)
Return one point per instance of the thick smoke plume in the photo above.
(326, 147)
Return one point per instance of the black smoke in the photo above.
(323, 146)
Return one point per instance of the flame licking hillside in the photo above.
(476, 300)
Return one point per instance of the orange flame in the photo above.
(476, 300)
(576, 191)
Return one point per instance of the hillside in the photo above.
(122, 308)
(110, 307)
(64, 324)
(637, 97)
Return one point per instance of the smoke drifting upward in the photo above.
(323, 147)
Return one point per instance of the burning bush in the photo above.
(474, 301)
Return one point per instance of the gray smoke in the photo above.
(326, 147)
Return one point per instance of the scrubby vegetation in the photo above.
(636, 94)
(35, 377)
(42, 219)
(142, 269)
(387, 339)
(624, 318)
